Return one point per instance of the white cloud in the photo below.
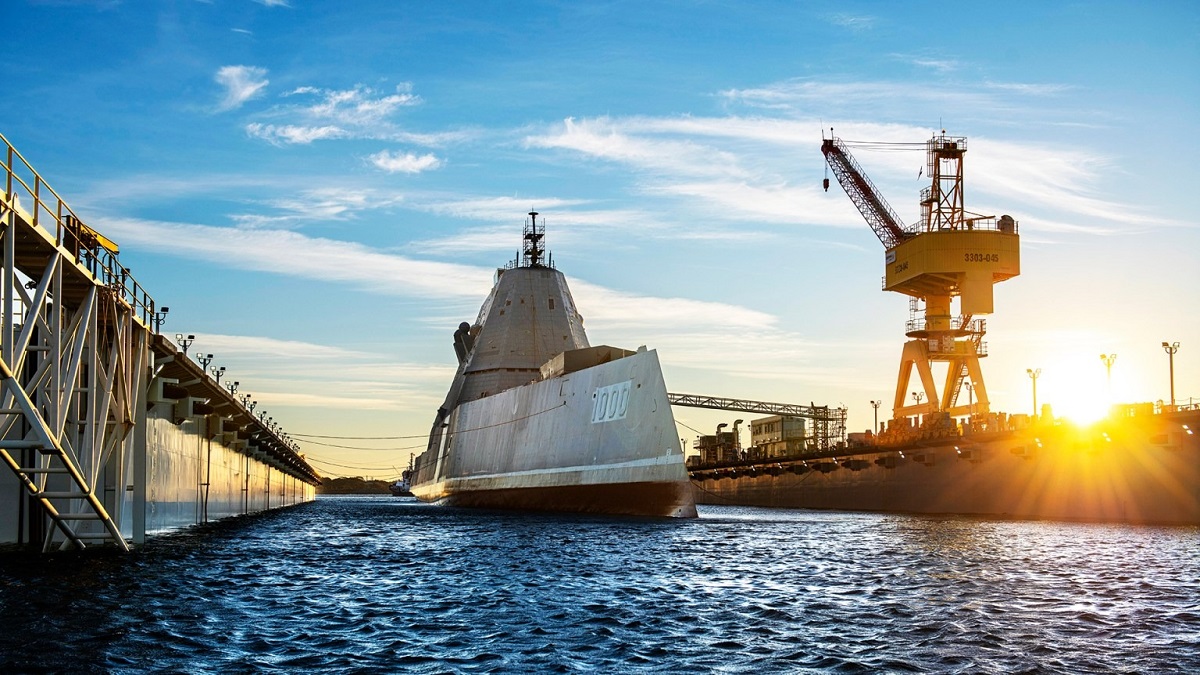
(617, 309)
(323, 204)
(404, 163)
(499, 209)
(854, 23)
(290, 373)
(609, 139)
(241, 83)
(274, 3)
(732, 169)
(360, 112)
(290, 253)
(288, 133)
(940, 65)
(357, 106)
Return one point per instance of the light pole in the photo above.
(875, 405)
(1170, 348)
(1033, 375)
(1108, 360)
(159, 317)
(204, 360)
(185, 341)
(218, 372)
(232, 387)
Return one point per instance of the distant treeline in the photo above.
(352, 486)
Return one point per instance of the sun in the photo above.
(1076, 389)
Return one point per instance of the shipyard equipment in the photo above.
(949, 253)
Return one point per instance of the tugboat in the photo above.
(402, 487)
(538, 419)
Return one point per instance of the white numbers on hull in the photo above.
(611, 402)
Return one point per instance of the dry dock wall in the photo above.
(190, 478)
(1145, 473)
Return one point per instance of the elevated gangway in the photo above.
(829, 424)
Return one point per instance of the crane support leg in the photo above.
(915, 354)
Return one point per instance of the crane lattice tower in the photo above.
(949, 253)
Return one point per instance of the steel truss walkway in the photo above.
(74, 360)
(829, 424)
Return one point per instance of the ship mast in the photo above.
(534, 234)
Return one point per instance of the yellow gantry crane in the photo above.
(949, 253)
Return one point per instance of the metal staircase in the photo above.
(74, 361)
(82, 507)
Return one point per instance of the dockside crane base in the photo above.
(949, 253)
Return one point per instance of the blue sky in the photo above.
(321, 191)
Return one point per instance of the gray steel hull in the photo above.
(598, 440)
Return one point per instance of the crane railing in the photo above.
(878, 214)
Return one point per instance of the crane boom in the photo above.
(882, 219)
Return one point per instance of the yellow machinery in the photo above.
(949, 253)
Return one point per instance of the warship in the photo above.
(538, 419)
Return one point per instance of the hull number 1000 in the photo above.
(611, 402)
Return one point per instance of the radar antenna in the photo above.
(534, 234)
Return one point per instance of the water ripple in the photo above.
(366, 584)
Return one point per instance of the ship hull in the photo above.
(1143, 472)
(597, 440)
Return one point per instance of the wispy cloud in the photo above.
(498, 209)
(397, 162)
(609, 139)
(1029, 89)
(288, 133)
(317, 205)
(290, 253)
(357, 106)
(241, 83)
(940, 65)
(731, 169)
(855, 23)
(290, 373)
(293, 254)
(360, 112)
(274, 3)
(617, 309)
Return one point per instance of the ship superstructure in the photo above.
(537, 418)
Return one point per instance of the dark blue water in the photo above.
(377, 584)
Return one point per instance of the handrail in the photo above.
(81, 243)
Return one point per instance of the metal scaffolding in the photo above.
(74, 358)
